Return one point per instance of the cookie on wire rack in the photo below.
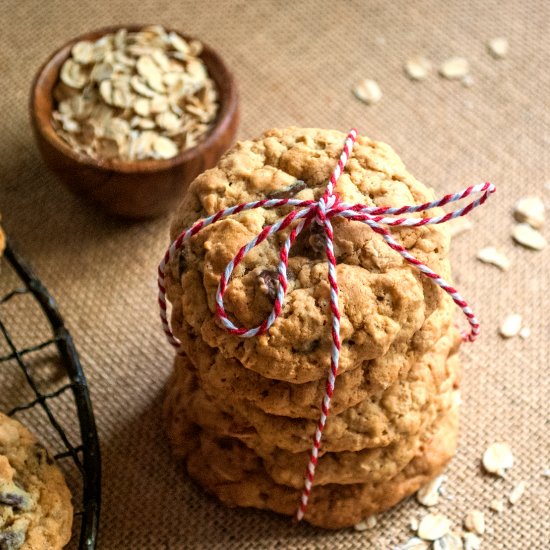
(20, 290)
(36, 512)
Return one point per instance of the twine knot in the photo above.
(325, 206)
(322, 211)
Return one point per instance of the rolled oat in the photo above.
(134, 95)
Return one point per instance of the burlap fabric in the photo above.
(296, 63)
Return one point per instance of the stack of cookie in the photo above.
(242, 412)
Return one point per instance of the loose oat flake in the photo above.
(490, 255)
(530, 210)
(525, 235)
(511, 325)
(368, 91)
(497, 505)
(498, 458)
(455, 68)
(371, 522)
(471, 541)
(475, 522)
(134, 95)
(366, 524)
(451, 541)
(433, 526)
(417, 67)
(498, 47)
(517, 492)
(467, 81)
(459, 225)
(429, 494)
(413, 543)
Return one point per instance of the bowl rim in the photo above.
(42, 119)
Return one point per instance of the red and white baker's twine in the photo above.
(321, 211)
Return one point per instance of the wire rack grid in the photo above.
(43, 385)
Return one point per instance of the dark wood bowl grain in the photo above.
(133, 189)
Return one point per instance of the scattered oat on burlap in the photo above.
(102, 271)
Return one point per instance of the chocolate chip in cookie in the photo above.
(11, 540)
(317, 239)
(11, 495)
(14, 536)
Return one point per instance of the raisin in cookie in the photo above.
(384, 301)
(35, 504)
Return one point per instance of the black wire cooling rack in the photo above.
(47, 388)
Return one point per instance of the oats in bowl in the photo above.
(134, 95)
(117, 140)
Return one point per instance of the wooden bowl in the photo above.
(133, 189)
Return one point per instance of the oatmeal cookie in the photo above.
(228, 377)
(236, 475)
(384, 301)
(35, 504)
(367, 465)
(399, 412)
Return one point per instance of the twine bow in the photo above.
(321, 212)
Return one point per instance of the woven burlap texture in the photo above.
(296, 63)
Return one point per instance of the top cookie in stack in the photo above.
(256, 400)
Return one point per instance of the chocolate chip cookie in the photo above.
(35, 504)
